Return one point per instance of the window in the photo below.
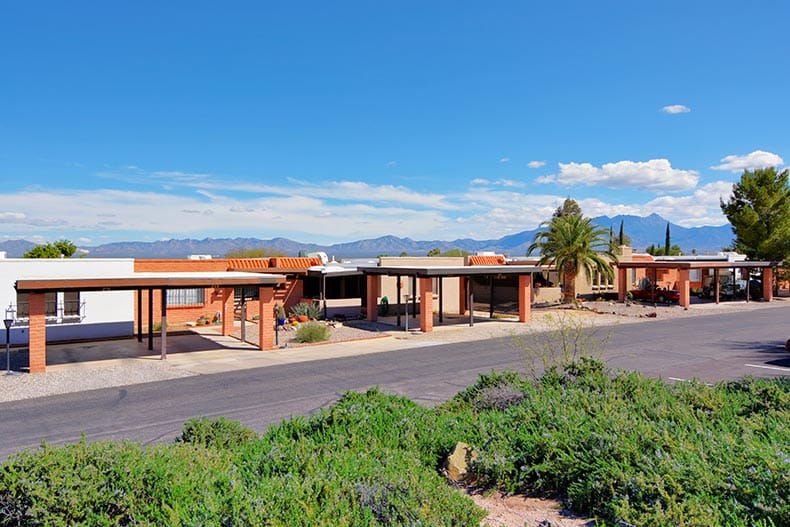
(695, 275)
(185, 297)
(250, 293)
(71, 304)
(23, 304)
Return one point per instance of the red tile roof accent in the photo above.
(286, 262)
(248, 263)
(497, 259)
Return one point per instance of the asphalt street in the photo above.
(711, 348)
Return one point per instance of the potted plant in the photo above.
(281, 318)
(304, 311)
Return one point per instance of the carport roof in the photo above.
(135, 281)
(451, 270)
(695, 264)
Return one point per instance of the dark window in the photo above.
(250, 293)
(185, 297)
(71, 304)
(23, 304)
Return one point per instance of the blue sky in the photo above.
(335, 121)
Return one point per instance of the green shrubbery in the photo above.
(623, 447)
(616, 446)
(312, 332)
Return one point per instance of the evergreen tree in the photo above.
(667, 244)
(569, 207)
(759, 212)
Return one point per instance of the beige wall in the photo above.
(450, 286)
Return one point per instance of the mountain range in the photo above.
(643, 231)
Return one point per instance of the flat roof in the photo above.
(133, 281)
(667, 264)
(429, 271)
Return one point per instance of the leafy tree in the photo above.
(435, 252)
(572, 243)
(58, 249)
(658, 250)
(759, 212)
(260, 252)
(403, 253)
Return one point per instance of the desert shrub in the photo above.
(312, 332)
(567, 340)
(641, 451)
(220, 433)
(359, 462)
(616, 445)
(124, 483)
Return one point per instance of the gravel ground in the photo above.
(87, 376)
(119, 372)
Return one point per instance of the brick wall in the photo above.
(288, 295)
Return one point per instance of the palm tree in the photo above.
(572, 244)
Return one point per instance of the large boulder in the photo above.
(458, 463)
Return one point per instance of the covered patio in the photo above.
(425, 276)
(683, 270)
(223, 283)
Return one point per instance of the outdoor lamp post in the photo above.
(277, 325)
(8, 322)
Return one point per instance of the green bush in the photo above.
(618, 446)
(641, 451)
(312, 332)
(108, 483)
(219, 433)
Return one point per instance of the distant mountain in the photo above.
(16, 248)
(643, 231)
(647, 230)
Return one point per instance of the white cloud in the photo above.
(655, 175)
(536, 164)
(392, 164)
(675, 109)
(11, 217)
(757, 159)
(329, 211)
(702, 207)
(504, 160)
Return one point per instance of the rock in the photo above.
(456, 466)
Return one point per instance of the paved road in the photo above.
(710, 347)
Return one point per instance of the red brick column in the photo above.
(622, 284)
(372, 297)
(768, 284)
(524, 297)
(227, 310)
(683, 285)
(463, 282)
(38, 333)
(266, 321)
(426, 305)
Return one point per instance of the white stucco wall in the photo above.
(105, 314)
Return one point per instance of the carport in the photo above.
(223, 282)
(684, 268)
(426, 276)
